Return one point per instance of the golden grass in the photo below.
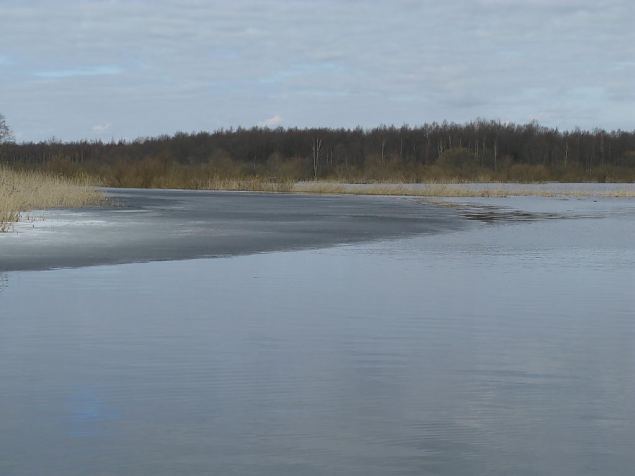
(445, 190)
(22, 191)
(254, 184)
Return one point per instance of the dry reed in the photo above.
(22, 191)
(253, 184)
(446, 190)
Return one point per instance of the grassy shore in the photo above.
(254, 184)
(456, 189)
(451, 188)
(22, 191)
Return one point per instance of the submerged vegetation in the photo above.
(22, 191)
(262, 158)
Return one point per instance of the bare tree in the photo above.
(495, 154)
(5, 132)
(316, 153)
(317, 145)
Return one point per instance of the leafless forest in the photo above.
(476, 151)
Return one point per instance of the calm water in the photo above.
(507, 348)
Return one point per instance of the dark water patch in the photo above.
(493, 214)
(523, 209)
(152, 225)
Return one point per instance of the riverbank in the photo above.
(473, 189)
(140, 225)
(22, 191)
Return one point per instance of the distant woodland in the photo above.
(476, 151)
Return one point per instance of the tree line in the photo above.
(478, 150)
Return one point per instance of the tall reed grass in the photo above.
(24, 190)
(249, 184)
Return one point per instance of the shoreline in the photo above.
(141, 225)
(436, 189)
(8, 219)
(475, 189)
(23, 191)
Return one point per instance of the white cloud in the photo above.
(101, 128)
(272, 122)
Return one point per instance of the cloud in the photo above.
(104, 70)
(537, 3)
(272, 122)
(101, 128)
(194, 64)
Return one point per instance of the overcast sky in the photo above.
(129, 68)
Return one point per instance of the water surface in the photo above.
(504, 348)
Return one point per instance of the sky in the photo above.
(111, 69)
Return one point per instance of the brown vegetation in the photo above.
(22, 191)
(484, 151)
(278, 174)
(455, 190)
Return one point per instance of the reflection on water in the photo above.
(504, 349)
(4, 281)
